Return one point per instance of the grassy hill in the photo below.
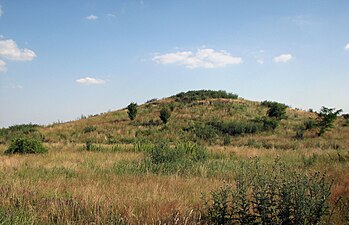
(194, 119)
(145, 171)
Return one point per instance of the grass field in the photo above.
(128, 178)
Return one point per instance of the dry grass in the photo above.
(86, 178)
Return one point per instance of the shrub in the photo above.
(204, 132)
(89, 145)
(276, 110)
(235, 128)
(346, 117)
(326, 118)
(164, 153)
(132, 110)
(310, 124)
(191, 96)
(165, 115)
(25, 146)
(89, 129)
(269, 123)
(269, 196)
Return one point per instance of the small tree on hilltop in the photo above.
(326, 118)
(165, 115)
(132, 110)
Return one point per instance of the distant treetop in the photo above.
(191, 96)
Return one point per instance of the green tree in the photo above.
(326, 118)
(277, 111)
(165, 115)
(132, 110)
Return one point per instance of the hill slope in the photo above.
(200, 116)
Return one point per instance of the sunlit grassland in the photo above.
(107, 169)
(69, 185)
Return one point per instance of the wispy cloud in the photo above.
(346, 47)
(2, 66)
(91, 17)
(90, 80)
(111, 15)
(283, 58)
(204, 58)
(260, 61)
(9, 50)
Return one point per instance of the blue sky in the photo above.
(62, 59)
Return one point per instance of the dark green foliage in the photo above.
(204, 132)
(89, 145)
(326, 118)
(276, 110)
(310, 124)
(165, 115)
(269, 123)
(269, 196)
(89, 129)
(191, 96)
(25, 146)
(235, 128)
(132, 110)
(22, 130)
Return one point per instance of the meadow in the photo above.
(218, 160)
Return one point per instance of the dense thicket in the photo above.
(191, 96)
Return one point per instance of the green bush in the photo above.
(276, 110)
(204, 132)
(89, 129)
(269, 196)
(132, 110)
(25, 146)
(310, 124)
(235, 128)
(165, 115)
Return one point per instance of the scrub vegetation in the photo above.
(199, 157)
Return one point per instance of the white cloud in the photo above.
(283, 58)
(9, 50)
(90, 80)
(346, 47)
(205, 58)
(2, 66)
(260, 61)
(91, 17)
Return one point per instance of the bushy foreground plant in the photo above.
(269, 196)
(25, 146)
